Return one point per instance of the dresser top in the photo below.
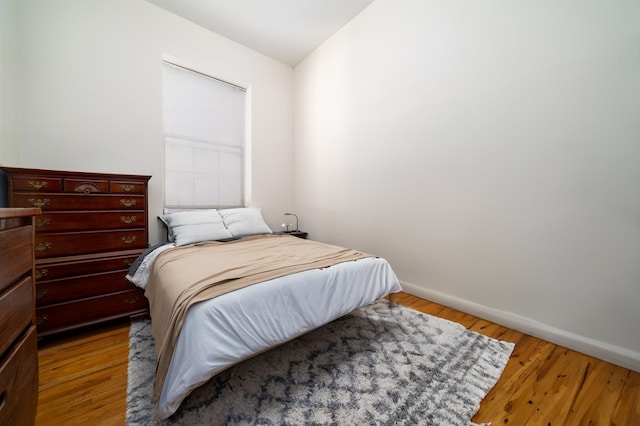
(63, 173)
(18, 212)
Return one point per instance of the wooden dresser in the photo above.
(18, 343)
(92, 228)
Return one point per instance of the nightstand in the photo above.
(298, 234)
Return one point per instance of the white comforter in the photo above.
(221, 332)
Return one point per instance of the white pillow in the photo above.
(194, 226)
(242, 222)
(165, 211)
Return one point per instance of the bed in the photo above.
(225, 288)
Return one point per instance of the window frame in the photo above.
(228, 174)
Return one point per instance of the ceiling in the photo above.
(286, 30)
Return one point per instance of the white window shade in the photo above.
(204, 122)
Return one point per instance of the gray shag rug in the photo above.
(374, 366)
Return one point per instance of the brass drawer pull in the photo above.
(40, 273)
(37, 184)
(132, 301)
(127, 219)
(128, 262)
(128, 239)
(41, 293)
(39, 202)
(42, 222)
(128, 203)
(126, 187)
(40, 320)
(43, 246)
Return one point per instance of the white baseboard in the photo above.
(614, 354)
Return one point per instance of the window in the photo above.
(204, 132)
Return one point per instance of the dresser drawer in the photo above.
(64, 290)
(60, 202)
(66, 316)
(126, 187)
(37, 184)
(73, 243)
(53, 269)
(89, 220)
(19, 382)
(16, 310)
(86, 186)
(15, 254)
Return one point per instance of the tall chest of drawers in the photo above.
(92, 228)
(18, 344)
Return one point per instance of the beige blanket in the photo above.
(187, 275)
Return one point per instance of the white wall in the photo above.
(9, 84)
(91, 75)
(491, 152)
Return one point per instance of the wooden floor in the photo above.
(83, 379)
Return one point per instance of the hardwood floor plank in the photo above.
(608, 396)
(498, 405)
(83, 379)
(555, 383)
(598, 394)
(627, 413)
(521, 392)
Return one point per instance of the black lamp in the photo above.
(291, 214)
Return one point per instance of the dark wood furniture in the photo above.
(18, 343)
(299, 234)
(92, 227)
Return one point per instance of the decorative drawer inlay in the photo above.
(86, 188)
